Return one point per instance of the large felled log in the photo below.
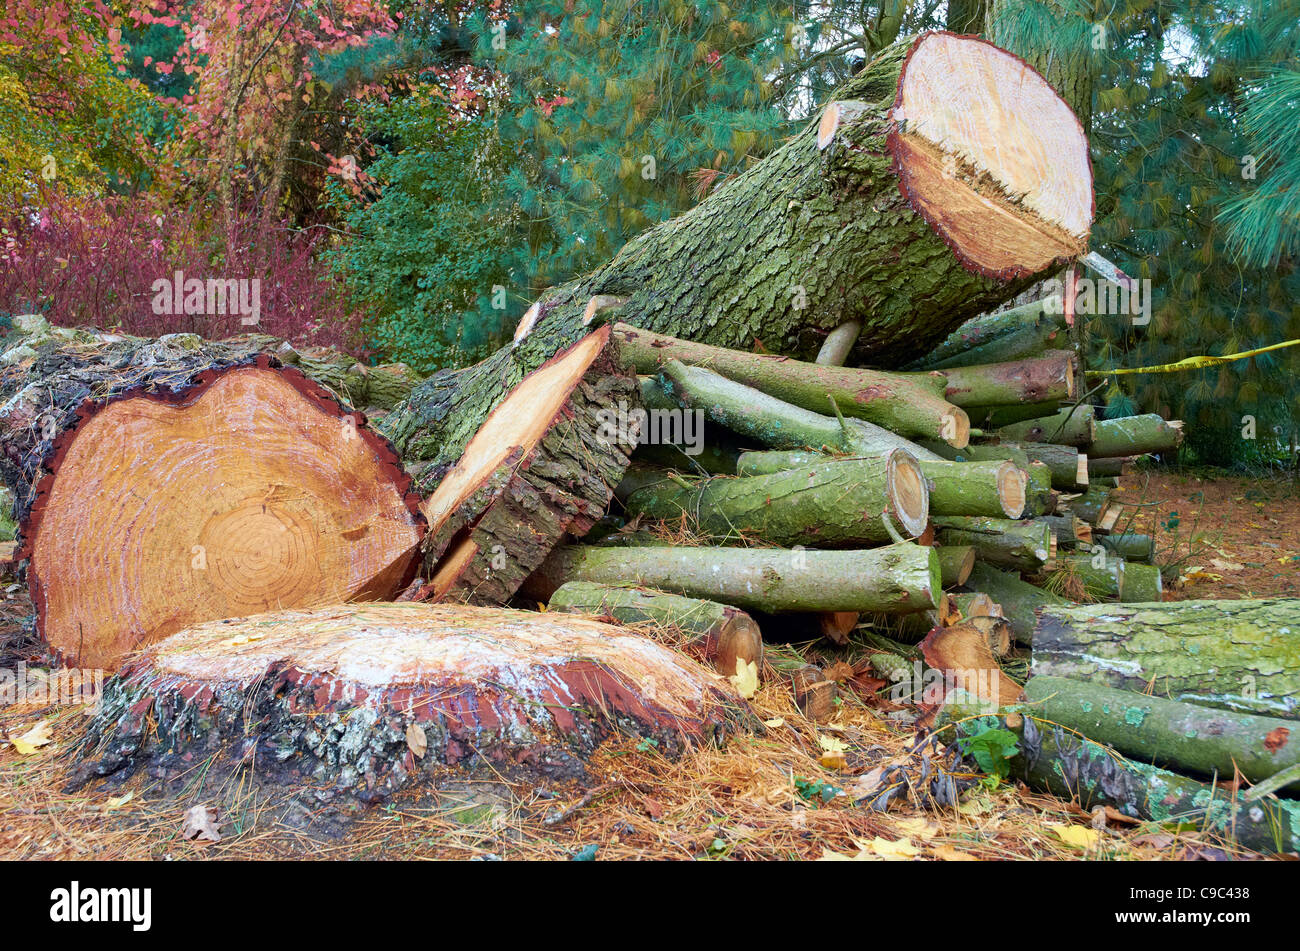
(1185, 737)
(833, 503)
(1135, 435)
(1013, 334)
(910, 405)
(498, 498)
(995, 489)
(1236, 655)
(1018, 599)
(165, 483)
(1092, 775)
(369, 698)
(894, 579)
(1069, 466)
(1025, 545)
(719, 633)
(1130, 546)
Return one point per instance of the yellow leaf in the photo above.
(946, 853)
(117, 802)
(33, 739)
(416, 740)
(774, 722)
(830, 744)
(920, 827)
(1081, 837)
(898, 851)
(745, 679)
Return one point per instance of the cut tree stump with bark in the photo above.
(368, 698)
(910, 405)
(1185, 737)
(719, 633)
(1140, 583)
(1234, 655)
(499, 498)
(1090, 774)
(833, 503)
(165, 483)
(892, 580)
(1105, 580)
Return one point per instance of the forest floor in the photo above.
(768, 796)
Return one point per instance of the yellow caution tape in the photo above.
(1195, 363)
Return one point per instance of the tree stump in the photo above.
(371, 697)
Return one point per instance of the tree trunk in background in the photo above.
(966, 16)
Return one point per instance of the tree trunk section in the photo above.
(1046, 378)
(1233, 655)
(164, 483)
(891, 580)
(1135, 435)
(1024, 545)
(718, 633)
(1018, 599)
(1072, 426)
(1015, 334)
(833, 503)
(1185, 737)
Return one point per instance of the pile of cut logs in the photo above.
(688, 435)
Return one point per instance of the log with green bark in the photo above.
(1078, 769)
(908, 404)
(1069, 466)
(955, 563)
(720, 633)
(1039, 497)
(995, 489)
(1013, 334)
(845, 502)
(1130, 546)
(1045, 378)
(1092, 504)
(1234, 655)
(1018, 599)
(1135, 435)
(892, 580)
(1101, 576)
(1024, 545)
(1072, 426)
(1070, 532)
(1140, 583)
(774, 422)
(1181, 736)
(1113, 466)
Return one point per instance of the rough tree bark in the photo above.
(1236, 655)
(500, 496)
(370, 698)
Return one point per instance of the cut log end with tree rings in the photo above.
(907, 488)
(371, 697)
(542, 464)
(991, 156)
(248, 490)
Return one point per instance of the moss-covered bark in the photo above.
(1134, 435)
(1072, 426)
(1185, 737)
(1093, 775)
(1012, 334)
(1023, 545)
(1130, 546)
(1235, 655)
(1033, 380)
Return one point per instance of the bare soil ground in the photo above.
(768, 796)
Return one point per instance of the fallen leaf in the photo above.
(1226, 565)
(1276, 739)
(30, 742)
(1081, 837)
(774, 722)
(947, 853)
(745, 679)
(201, 823)
(416, 741)
(117, 802)
(900, 850)
(918, 827)
(1156, 840)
